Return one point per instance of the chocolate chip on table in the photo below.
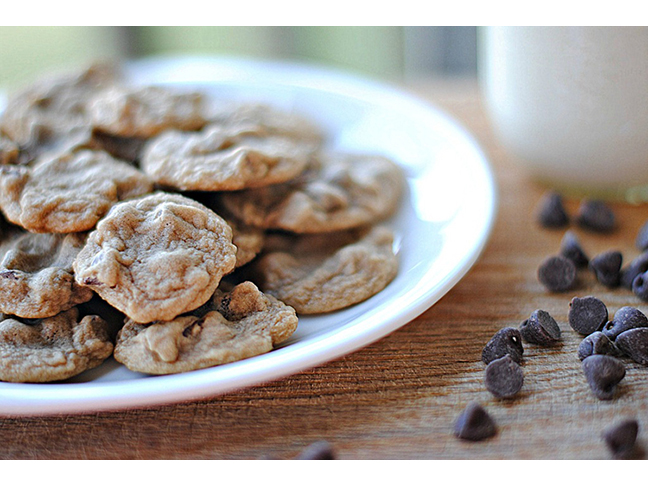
(474, 423)
(540, 328)
(571, 249)
(587, 315)
(607, 268)
(320, 450)
(551, 212)
(621, 438)
(624, 319)
(634, 344)
(505, 341)
(557, 273)
(640, 286)
(596, 343)
(603, 374)
(642, 237)
(635, 268)
(504, 377)
(596, 216)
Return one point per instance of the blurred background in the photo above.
(396, 54)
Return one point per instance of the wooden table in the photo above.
(399, 397)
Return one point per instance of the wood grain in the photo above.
(398, 398)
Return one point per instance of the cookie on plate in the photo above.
(54, 107)
(241, 323)
(224, 158)
(326, 272)
(156, 257)
(67, 193)
(338, 192)
(267, 120)
(144, 112)
(36, 277)
(51, 349)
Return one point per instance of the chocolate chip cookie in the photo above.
(323, 273)
(242, 323)
(52, 108)
(156, 257)
(144, 111)
(338, 192)
(36, 277)
(51, 349)
(223, 158)
(68, 193)
(267, 120)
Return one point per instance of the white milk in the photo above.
(571, 103)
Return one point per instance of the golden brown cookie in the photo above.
(157, 257)
(68, 193)
(54, 107)
(339, 192)
(145, 111)
(51, 349)
(243, 323)
(36, 278)
(223, 158)
(267, 120)
(327, 272)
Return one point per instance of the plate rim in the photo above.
(18, 399)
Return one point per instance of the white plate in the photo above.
(441, 228)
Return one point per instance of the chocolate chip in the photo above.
(224, 308)
(505, 341)
(320, 450)
(603, 374)
(636, 267)
(621, 438)
(607, 268)
(474, 423)
(571, 249)
(557, 273)
(540, 328)
(624, 319)
(504, 377)
(91, 281)
(642, 237)
(193, 328)
(551, 213)
(634, 343)
(640, 286)
(596, 216)
(587, 315)
(596, 343)
(10, 274)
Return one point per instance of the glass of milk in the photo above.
(571, 105)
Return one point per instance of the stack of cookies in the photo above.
(141, 222)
